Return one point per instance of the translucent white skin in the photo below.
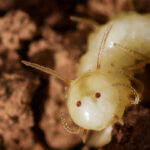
(130, 30)
(101, 138)
(90, 115)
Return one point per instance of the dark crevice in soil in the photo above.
(2, 13)
(2, 143)
(38, 100)
(37, 106)
(23, 51)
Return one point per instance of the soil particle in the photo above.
(16, 118)
(135, 133)
(15, 26)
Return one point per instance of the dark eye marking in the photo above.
(97, 94)
(78, 103)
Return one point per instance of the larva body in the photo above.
(129, 30)
(98, 97)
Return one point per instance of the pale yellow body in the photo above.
(130, 30)
(100, 94)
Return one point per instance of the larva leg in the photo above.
(135, 93)
(138, 85)
(67, 128)
(134, 67)
(76, 130)
(86, 21)
(84, 134)
(139, 56)
(133, 53)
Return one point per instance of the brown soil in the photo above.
(30, 101)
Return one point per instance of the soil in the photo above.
(30, 101)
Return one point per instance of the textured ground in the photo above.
(30, 101)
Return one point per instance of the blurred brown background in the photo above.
(30, 101)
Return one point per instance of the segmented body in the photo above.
(126, 52)
(130, 30)
(98, 97)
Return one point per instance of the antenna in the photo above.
(102, 45)
(46, 70)
(86, 21)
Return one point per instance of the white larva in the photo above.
(98, 97)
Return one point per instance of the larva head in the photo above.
(93, 101)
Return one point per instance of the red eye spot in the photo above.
(78, 103)
(116, 116)
(97, 95)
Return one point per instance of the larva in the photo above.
(97, 98)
